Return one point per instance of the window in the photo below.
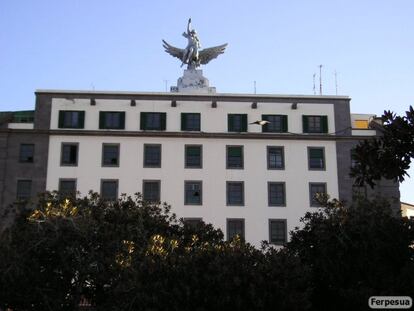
(276, 194)
(190, 122)
(71, 119)
(234, 157)
(235, 226)
(277, 123)
(193, 193)
(109, 189)
(193, 222)
(24, 189)
(361, 124)
(67, 188)
(152, 155)
(153, 121)
(193, 156)
(112, 120)
(69, 154)
(26, 153)
(359, 192)
(314, 190)
(275, 158)
(235, 193)
(277, 231)
(237, 122)
(315, 124)
(110, 155)
(151, 190)
(316, 158)
(354, 160)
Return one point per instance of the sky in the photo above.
(116, 46)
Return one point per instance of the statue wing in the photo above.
(208, 54)
(172, 50)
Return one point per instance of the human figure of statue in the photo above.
(190, 55)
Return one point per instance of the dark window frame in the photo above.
(312, 202)
(241, 167)
(193, 221)
(185, 119)
(228, 203)
(323, 168)
(145, 164)
(200, 183)
(271, 128)
(103, 164)
(231, 122)
(61, 180)
(269, 167)
(269, 200)
(285, 235)
(19, 190)
(116, 181)
(230, 220)
(159, 189)
(104, 126)
(186, 147)
(24, 155)
(63, 144)
(162, 121)
(80, 120)
(323, 124)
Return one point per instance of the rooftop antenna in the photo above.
(320, 79)
(336, 82)
(166, 85)
(314, 86)
(254, 82)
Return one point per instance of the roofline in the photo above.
(409, 204)
(209, 96)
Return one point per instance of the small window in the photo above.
(193, 193)
(112, 120)
(193, 156)
(359, 192)
(237, 122)
(110, 155)
(26, 153)
(151, 190)
(67, 188)
(354, 160)
(24, 189)
(235, 193)
(193, 222)
(275, 158)
(315, 124)
(276, 194)
(109, 189)
(277, 231)
(234, 157)
(69, 154)
(316, 158)
(152, 155)
(190, 121)
(235, 226)
(314, 190)
(71, 119)
(277, 123)
(153, 121)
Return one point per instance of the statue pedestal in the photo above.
(193, 81)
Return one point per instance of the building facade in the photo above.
(199, 151)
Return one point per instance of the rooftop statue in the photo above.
(191, 55)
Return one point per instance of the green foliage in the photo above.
(388, 156)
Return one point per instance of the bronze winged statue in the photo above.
(192, 55)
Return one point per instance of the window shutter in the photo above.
(305, 124)
(230, 122)
(61, 118)
(183, 121)
(122, 120)
(284, 124)
(143, 119)
(324, 124)
(163, 118)
(81, 124)
(101, 119)
(244, 123)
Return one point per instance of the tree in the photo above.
(133, 255)
(391, 154)
(355, 252)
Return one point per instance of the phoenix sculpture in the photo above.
(192, 55)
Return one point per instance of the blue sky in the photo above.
(116, 45)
